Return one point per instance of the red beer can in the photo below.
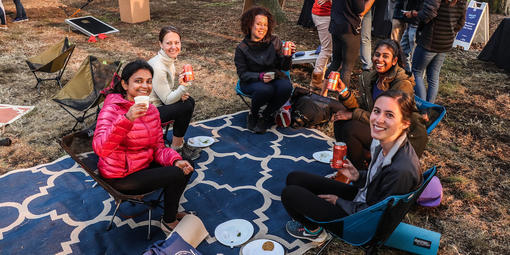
(286, 48)
(188, 73)
(333, 80)
(339, 156)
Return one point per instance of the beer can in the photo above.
(333, 80)
(188, 73)
(286, 48)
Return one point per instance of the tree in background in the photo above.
(275, 6)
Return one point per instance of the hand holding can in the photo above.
(288, 48)
(188, 73)
(339, 156)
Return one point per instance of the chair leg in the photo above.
(149, 226)
(324, 246)
(113, 216)
(245, 102)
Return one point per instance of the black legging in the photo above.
(345, 55)
(356, 135)
(274, 93)
(300, 199)
(181, 112)
(170, 178)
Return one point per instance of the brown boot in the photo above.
(316, 80)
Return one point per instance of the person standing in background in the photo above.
(3, 20)
(439, 22)
(21, 15)
(321, 15)
(408, 41)
(366, 41)
(397, 24)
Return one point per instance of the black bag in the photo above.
(309, 109)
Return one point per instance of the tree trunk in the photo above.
(274, 6)
(498, 6)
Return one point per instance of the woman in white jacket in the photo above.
(172, 100)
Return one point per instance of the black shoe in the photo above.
(262, 125)
(252, 121)
(188, 152)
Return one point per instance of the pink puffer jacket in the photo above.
(125, 147)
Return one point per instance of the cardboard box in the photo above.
(134, 11)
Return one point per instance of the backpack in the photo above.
(310, 109)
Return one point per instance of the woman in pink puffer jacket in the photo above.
(129, 142)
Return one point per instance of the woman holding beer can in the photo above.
(173, 103)
(394, 170)
(352, 125)
(259, 59)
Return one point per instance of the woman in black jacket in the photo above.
(394, 170)
(259, 60)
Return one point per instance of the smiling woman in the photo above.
(352, 124)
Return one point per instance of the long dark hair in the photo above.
(127, 72)
(167, 29)
(406, 103)
(396, 49)
(248, 18)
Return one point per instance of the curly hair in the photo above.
(248, 18)
(396, 49)
(127, 72)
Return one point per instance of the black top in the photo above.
(345, 16)
(252, 58)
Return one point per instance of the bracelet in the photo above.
(341, 92)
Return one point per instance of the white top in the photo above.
(163, 81)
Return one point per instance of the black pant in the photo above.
(345, 54)
(20, 10)
(300, 199)
(172, 179)
(181, 112)
(274, 94)
(356, 135)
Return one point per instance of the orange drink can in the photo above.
(188, 73)
(339, 156)
(333, 80)
(286, 48)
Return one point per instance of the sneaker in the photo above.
(252, 121)
(188, 152)
(165, 227)
(3, 27)
(297, 230)
(20, 19)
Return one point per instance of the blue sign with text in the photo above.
(473, 16)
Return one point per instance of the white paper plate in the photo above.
(233, 232)
(323, 156)
(200, 141)
(255, 248)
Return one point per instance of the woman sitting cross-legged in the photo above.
(352, 125)
(394, 170)
(128, 140)
(259, 60)
(173, 102)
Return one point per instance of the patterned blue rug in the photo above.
(55, 208)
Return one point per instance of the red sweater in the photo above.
(322, 10)
(125, 147)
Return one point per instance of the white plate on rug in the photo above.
(323, 156)
(256, 247)
(200, 141)
(233, 232)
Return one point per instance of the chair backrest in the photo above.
(83, 91)
(79, 147)
(52, 59)
(436, 112)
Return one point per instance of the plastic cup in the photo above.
(142, 100)
(272, 74)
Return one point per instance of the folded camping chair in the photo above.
(166, 126)
(83, 91)
(435, 112)
(54, 59)
(242, 95)
(369, 228)
(77, 145)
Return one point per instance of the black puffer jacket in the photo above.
(439, 23)
(252, 58)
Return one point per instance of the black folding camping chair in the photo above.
(83, 91)
(52, 60)
(79, 146)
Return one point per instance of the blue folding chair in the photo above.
(371, 227)
(242, 95)
(436, 112)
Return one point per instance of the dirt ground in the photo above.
(472, 143)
